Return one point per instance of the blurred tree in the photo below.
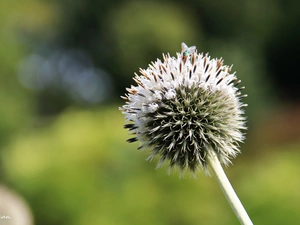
(282, 53)
(120, 36)
(141, 31)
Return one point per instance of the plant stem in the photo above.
(227, 189)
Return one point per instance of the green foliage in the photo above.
(161, 27)
(272, 186)
(80, 170)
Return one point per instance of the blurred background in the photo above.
(63, 152)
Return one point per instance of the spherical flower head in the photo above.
(185, 107)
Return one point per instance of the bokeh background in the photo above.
(63, 66)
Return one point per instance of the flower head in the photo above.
(185, 107)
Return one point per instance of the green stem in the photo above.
(227, 189)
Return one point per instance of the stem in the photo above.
(227, 189)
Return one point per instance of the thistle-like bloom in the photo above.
(185, 107)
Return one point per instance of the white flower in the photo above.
(184, 107)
